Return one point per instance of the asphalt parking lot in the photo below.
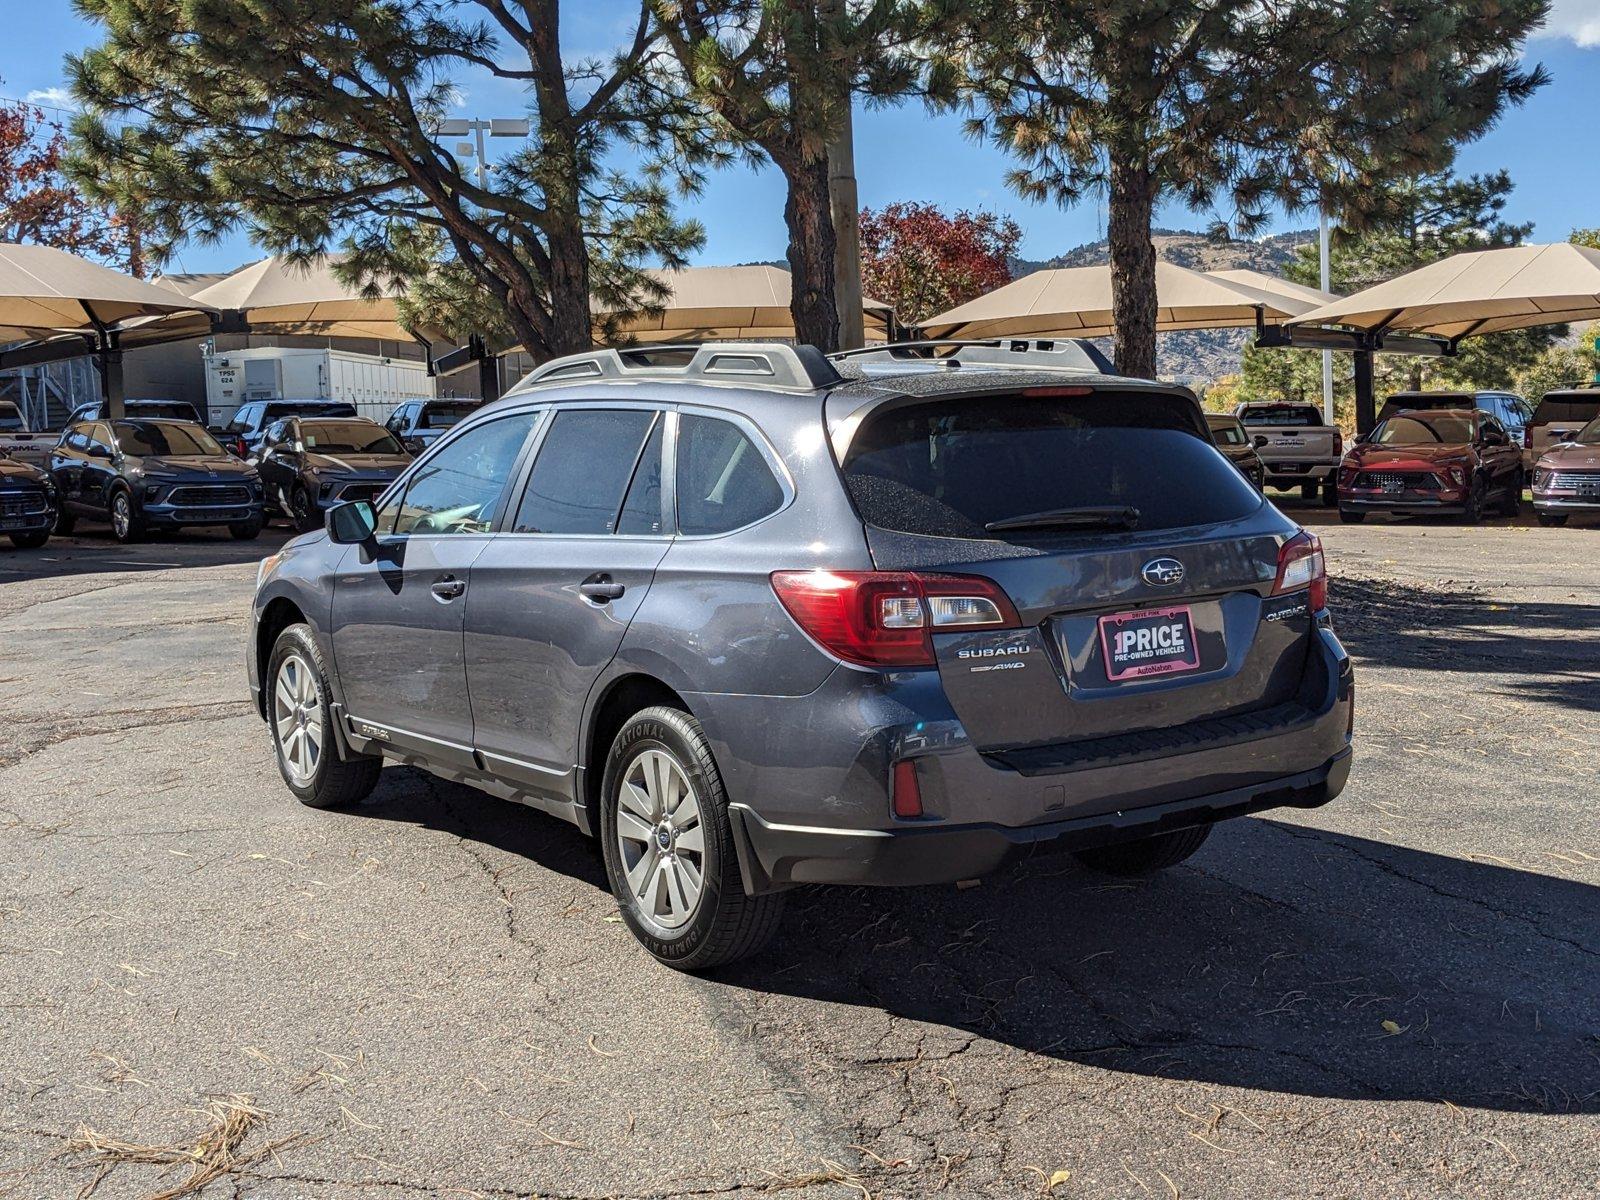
(1394, 996)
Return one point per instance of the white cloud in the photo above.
(52, 97)
(1575, 20)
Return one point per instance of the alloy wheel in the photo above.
(661, 839)
(297, 716)
(121, 515)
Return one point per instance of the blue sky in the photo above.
(904, 154)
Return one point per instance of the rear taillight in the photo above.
(1338, 444)
(1301, 565)
(888, 618)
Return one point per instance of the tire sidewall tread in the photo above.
(338, 782)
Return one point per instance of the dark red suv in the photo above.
(1439, 461)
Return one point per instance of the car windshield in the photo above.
(988, 466)
(166, 438)
(1226, 431)
(1303, 415)
(1451, 429)
(347, 437)
(442, 416)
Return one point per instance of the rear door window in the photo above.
(724, 481)
(954, 467)
(585, 466)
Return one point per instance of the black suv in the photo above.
(309, 464)
(142, 475)
(759, 618)
(27, 504)
(242, 435)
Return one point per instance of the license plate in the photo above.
(1391, 485)
(200, 515)
(12, 522)
(1151, 641)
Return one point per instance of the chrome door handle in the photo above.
(449, 588)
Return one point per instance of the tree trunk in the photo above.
(808, 212)
(571, 328)
(1133, 269)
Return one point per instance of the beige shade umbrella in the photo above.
(274, 296)
(1261, 281)
(1076, 302)
(45, 291)
(722, 303)
(1481, 291)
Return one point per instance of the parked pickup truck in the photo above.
(20, 442)
(1298, 449)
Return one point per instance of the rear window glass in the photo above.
(310, 408)
(442, 416)
(1566, 407)
(953, 467)
(348, 437)
(1302, 415)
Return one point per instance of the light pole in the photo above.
(495, 127)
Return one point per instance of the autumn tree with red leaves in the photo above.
(38, 204)
(924, 261)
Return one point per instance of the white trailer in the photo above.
(375, 385)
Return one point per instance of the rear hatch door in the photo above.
(1140, 563)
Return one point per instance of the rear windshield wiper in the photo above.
(1088, 517)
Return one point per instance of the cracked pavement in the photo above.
(1397, 995)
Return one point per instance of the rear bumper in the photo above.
(1288, 473)
(776, 856)
(803, 812)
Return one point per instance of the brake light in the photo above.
(888, 618)
(1048, 392)
(1301, 565)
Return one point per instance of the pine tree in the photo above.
(313, 124)
(774, 76)
(1207, 101)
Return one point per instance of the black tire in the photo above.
(724, 923)
(1330, 494)
(246, 531)
(1552, 520)
(1308, 491)
(1147, 854)
(127, 522)
(302, 511)
(65, 523)
(1349, 517)
(332, 782)
(30, 541)
(1511, 502)
(1472, 513)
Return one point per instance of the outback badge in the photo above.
(1163, 572)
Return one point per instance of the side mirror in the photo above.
(351, 523)
(99, 452)
(413, 446)
(1259, 441)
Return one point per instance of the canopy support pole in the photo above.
(1366, 395)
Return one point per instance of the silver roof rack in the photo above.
(1052, 354)
(749, 364)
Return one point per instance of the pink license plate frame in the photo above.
(1148, 668)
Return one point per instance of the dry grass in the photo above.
(229, 1121)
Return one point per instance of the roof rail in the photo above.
(1059, 354)
(757, 364)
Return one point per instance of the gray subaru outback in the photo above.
(755, 618)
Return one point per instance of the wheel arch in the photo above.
(612, 706)
(279, 613)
